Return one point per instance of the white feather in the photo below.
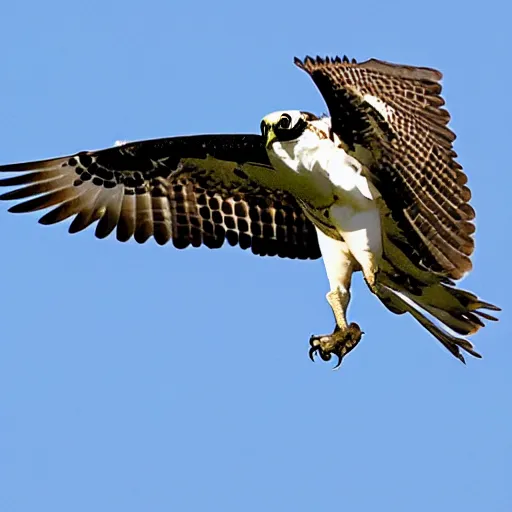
(322, 173)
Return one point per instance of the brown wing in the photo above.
(192, 190)
(393, 114)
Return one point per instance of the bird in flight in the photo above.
(373, 187)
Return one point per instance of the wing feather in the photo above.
(126, 224)
(110, 218)
(193, 191)
(394, 111)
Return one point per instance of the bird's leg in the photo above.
(361, 247)
(344, 337)
(339, 265)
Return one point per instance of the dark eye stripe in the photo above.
(285, 122)
(290, 132)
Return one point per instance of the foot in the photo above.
(340, 343)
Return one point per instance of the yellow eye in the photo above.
(285, 122)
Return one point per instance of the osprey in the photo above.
(374, 188)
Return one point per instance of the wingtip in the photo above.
(303, 63)
(44, 221)
(309, 61)
(18, 208)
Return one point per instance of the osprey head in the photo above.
(285, 126)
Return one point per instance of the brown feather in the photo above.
(143, 218)
(109, 221)
(182, 189)
(126, 224)
(414, 166)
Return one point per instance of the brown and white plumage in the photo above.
(385, 150)
(392, 115)
(188, 190)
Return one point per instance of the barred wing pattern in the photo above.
(393, 113)
(191, 190)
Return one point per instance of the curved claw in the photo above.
(338, 364)
(313, 341)
(327, 345)
(317, 349)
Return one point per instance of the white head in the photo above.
(284, 126)
(299, 143)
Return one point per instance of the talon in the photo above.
(313, 341)
(340, 343)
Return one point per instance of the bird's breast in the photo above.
(321, 174)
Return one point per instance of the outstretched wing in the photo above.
(390, 117)
(192, 190)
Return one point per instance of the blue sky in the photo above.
(142, 378)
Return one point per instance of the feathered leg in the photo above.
(339, 265)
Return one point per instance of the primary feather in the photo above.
(392, 115)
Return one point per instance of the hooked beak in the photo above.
(267, 131)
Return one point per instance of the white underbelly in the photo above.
(360, 229)
(322, 174)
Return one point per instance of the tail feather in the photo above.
(486, 316)
(404, 285)
(465, 324)
(450, 342)
(458, 310)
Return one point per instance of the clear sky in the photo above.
(143, 378)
